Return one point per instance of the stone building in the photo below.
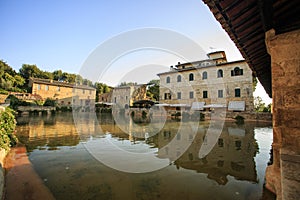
(65, 94)
(211, 83)
(124, 96)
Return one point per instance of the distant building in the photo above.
(65, 94)
(124, 96)
(105, 97)
(209, 84)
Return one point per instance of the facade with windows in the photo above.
(214, 82)
(65, 94)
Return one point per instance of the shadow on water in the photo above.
(233, 169)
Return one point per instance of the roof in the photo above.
(59, 83)
(201, 67)
(246, 23)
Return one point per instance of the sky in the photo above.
(63, 34)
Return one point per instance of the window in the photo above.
(58, 89)
(238, 145)
(83, 91)
(220, 73)
(167, 95)
(126, 98)
(178, 95)
(237, 92)
(204, 75)
(178, 78)
(46, 87)
(220, 93)
(90, 91)
(168, 80)
(191, 95)
(38, 87)
(205, 94)
(115, 99)
(220, 142)
(191, 77)
(237, 72)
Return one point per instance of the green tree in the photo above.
(57, 75)
(101, 88)
(254, 82)
(153, 90)
(46, 75)
(260, 106)
(28, 71)
(9, 79)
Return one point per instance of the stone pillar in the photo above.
(283, 177)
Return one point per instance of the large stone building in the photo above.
(65, 94)
(210, 83)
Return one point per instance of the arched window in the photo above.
(204, 75)
(191, 77)
(220, 73)
(236, 72)
(179, 78)
(168, 80)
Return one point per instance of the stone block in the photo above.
(291, 97)
(277, 135)
(290, 165)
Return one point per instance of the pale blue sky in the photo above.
(60, 34)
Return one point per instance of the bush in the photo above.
(50, 102)
(7, 127)
(15, 102)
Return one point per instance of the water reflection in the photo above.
(228, 171)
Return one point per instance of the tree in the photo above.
(127, 84)
(9, 79)
(153, 90)
(101, 88)
(28, 71)
(254, 82)
(260, 106)
(57, 74)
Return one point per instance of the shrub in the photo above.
(7, 127)
(50, 102)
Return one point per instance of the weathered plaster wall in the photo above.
(283, 177)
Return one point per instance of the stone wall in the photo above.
(283, 177)
(251, 116)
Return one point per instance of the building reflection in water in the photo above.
(232, 155)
